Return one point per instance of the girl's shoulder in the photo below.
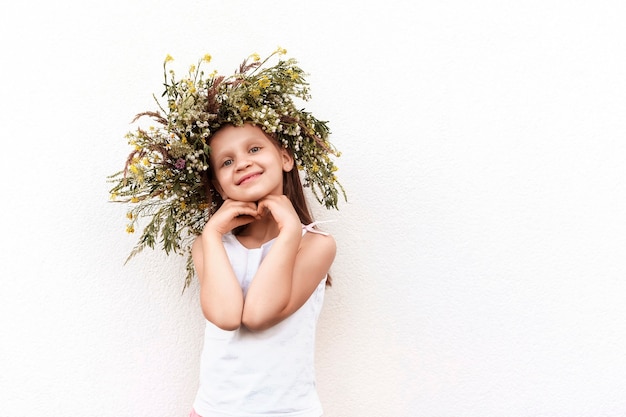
(317, 240)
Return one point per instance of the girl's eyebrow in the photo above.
(223, 150)
(248, 141)
(253, 139)
(217, 155)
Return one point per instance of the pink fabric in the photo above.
(194, 414)
(309, 227)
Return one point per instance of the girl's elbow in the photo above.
(256, 322)
(251, 323)
(261, 316)
(228, 323)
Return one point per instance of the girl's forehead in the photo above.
(230, 137)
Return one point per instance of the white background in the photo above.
(481, 265)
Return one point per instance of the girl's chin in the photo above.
(250, 198)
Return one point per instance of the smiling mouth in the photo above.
(248, 178)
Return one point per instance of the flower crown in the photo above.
(163, 175)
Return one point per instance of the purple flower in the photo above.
(180, 163)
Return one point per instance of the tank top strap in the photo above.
(310, 227)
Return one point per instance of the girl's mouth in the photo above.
(248, 178)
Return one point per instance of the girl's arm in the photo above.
(293, 268)
(221, 297)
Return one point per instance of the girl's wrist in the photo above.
(293, 231)
(211, 235)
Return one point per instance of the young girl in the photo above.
(225, 167)
(261, 289)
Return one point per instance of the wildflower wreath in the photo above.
(162, 179)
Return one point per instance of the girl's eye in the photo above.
(255, 149)
(227, 162)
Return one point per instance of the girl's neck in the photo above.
(255, 234)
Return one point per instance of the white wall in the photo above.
(481, 265)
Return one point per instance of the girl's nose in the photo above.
(243, 162)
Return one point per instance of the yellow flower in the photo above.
(134, 169)
(315, 167)
(130, 229)
(192, 69)
(207, 58)
(134, 200)
(129, 215)
(292, 74)
(256, 57)
(146, 162)
(168, 58)
(244, 108)
(183, 205)
(213, 73)
(281, 51)
(256, 92)
(264, 82)
(113, 196)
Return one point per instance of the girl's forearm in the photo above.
(270, 291)
(220, 293)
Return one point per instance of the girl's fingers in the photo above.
(280, 208)
(233, 214)
(242, 220)
(265, 207)
(237, 212)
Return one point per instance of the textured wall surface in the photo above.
(481, 265)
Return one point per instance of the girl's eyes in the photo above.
(253, 149)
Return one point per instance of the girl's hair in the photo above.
(292, 188)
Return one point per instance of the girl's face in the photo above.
(247, 164)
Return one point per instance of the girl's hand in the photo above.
(281, 209)
(230, 215)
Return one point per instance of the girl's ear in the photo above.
(287, 158)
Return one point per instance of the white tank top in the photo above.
(268, 373)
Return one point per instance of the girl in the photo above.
(261, 288)
(220, 181)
